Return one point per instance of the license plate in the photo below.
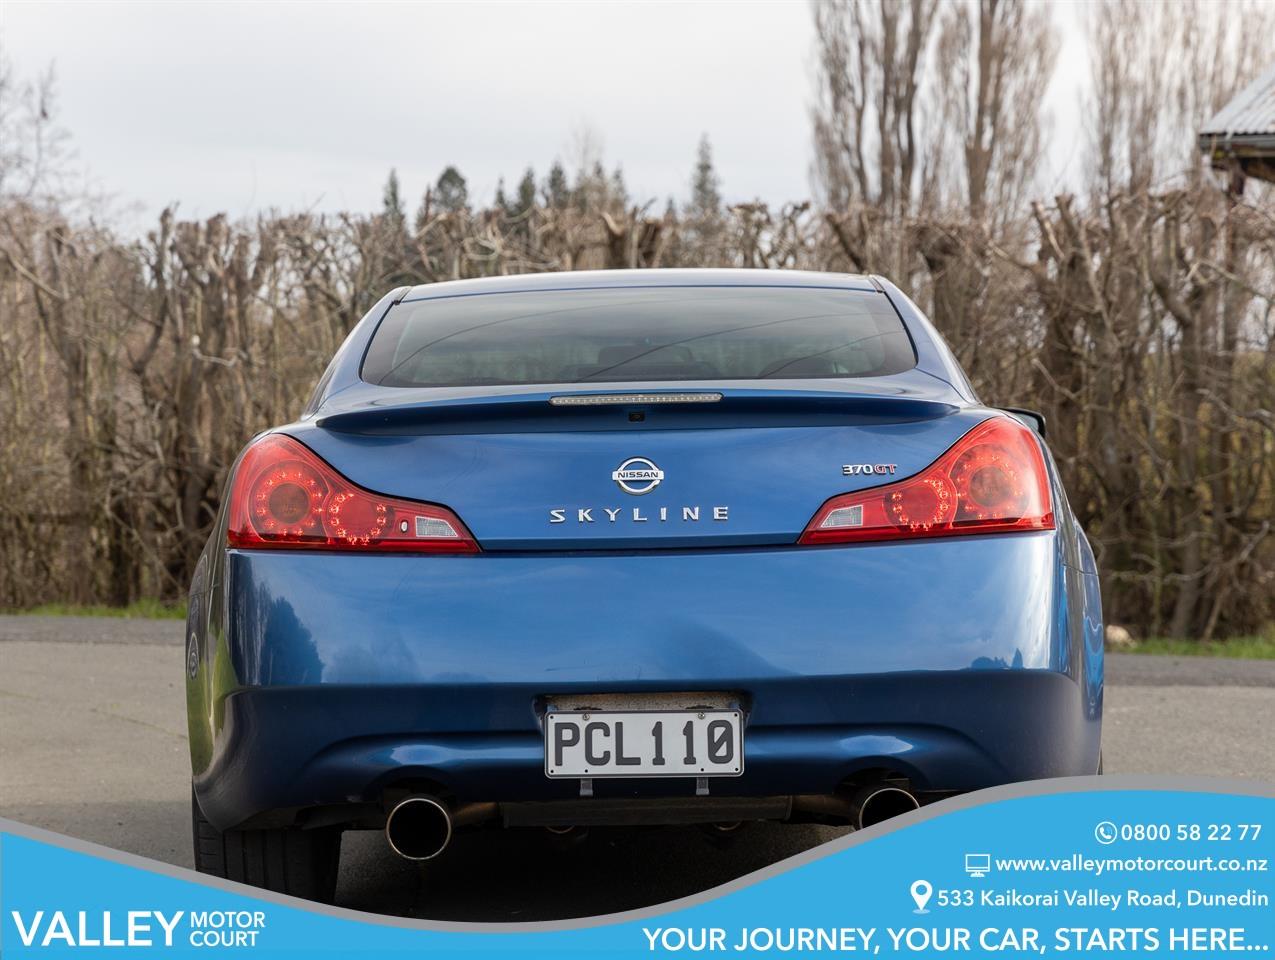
(647, 743)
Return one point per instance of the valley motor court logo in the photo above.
(139, 928)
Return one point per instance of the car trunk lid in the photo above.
(673, 468)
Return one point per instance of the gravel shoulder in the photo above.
(15, 628)
(1144, 670)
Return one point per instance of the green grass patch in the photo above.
(150, 609)
(1260, 647)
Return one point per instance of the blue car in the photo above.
(640, 547)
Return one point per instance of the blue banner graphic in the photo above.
(1089, 872)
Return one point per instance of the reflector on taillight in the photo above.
(285, 497)
(992, 480)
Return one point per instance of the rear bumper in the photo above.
(959, 664)
(944, 732)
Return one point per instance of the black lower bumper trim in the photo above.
(599, 812)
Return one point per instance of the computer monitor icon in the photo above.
(978, 864)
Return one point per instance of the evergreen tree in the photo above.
(399, 250)
(527, 191)
(706, 198)
(424, 210)
(557, 193)
(521, 202)
(619, 192)
(392, 203)
(703, 216)
(592, 190)
(451, 193)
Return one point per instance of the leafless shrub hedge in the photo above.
(1139, 316)
(135, 371)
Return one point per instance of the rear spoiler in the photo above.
(614, 410)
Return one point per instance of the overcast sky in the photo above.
(238, 106)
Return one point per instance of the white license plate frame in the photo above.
(707, 744)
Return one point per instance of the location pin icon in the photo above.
(921, 891)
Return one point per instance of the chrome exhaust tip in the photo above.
(725, 827)
(418, 828)
(878, 803)
(722, 833)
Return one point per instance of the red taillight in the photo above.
(992, 480)
(285, 497)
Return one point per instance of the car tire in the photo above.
(300, 863)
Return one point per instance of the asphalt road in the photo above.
(93, 745)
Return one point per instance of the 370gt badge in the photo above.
(637, 475)
(857, 469)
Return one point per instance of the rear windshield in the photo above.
(628, 335)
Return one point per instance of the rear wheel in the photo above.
(300, 863)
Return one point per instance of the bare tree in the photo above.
(34, 150)
(1159, 70)
(995, 60)
(871, 56)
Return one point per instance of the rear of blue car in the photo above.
(648, 547)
